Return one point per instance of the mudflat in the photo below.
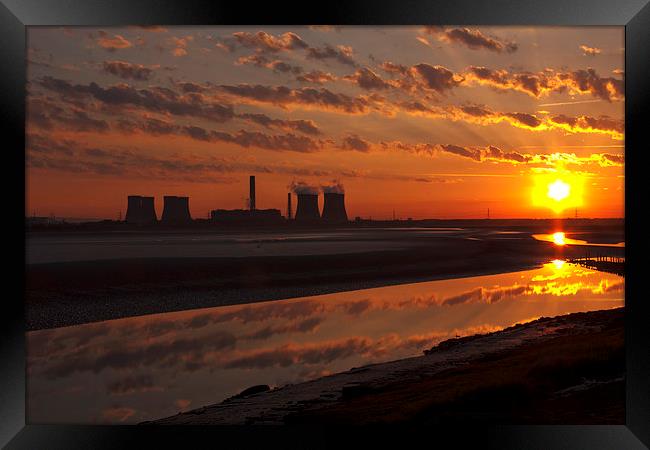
(74, 292)
(154, 274)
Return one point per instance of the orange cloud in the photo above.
(539, 84)
(265, 42)
(112, 43)
(180, 45)
(471, 38)
(316, 77)
(590, 51)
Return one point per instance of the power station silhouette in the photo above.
(140, 210)
(176, 210)
(307, 210)
(334, 208)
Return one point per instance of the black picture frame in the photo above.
(16, 15)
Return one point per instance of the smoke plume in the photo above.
(300, 187)
(335, 188)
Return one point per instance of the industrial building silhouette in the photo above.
(176, 210)
(252, 215)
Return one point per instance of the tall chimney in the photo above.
(307, 210)
(288, 205)
(252, 192)
(334, 208)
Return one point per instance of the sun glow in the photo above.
(559, 238)
(558, 191)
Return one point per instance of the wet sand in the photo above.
(567, 369)
(74, 292)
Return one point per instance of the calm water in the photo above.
(569, 241)
(135, 369)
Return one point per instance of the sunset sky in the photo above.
(431, 122)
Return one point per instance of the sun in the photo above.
(558, 190)
(558, 263)
(559, 238)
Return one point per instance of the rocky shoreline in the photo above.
(570, 368)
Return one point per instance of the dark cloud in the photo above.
(495, 153)
(188, 87)
(160, 354)
(243, 138)
(340, 53)
(303, 326)
(289, 142)
(156, 99)
(287, 355)
(130, 385)
(485, 295)
(471, 38)
(529, 120)
(614, 159)
(588, 81)
(437, 78)
(128, 71)
(264, 43)
(284, 96)
(587, 123)
(367, 79)
(281, 66)
(153, 126)
(462, 151)
(476, 110)
(303, 126)
(47, 115)
(354, 142)
(275, 65)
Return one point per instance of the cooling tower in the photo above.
(133, 209)
(307, 210)
(176, 210)
(140, 210)
(252, 193)
(148, 210)
(334, 208)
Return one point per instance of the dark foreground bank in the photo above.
(563, 370)
(70, 293)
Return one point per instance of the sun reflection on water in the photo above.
(559, 238)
